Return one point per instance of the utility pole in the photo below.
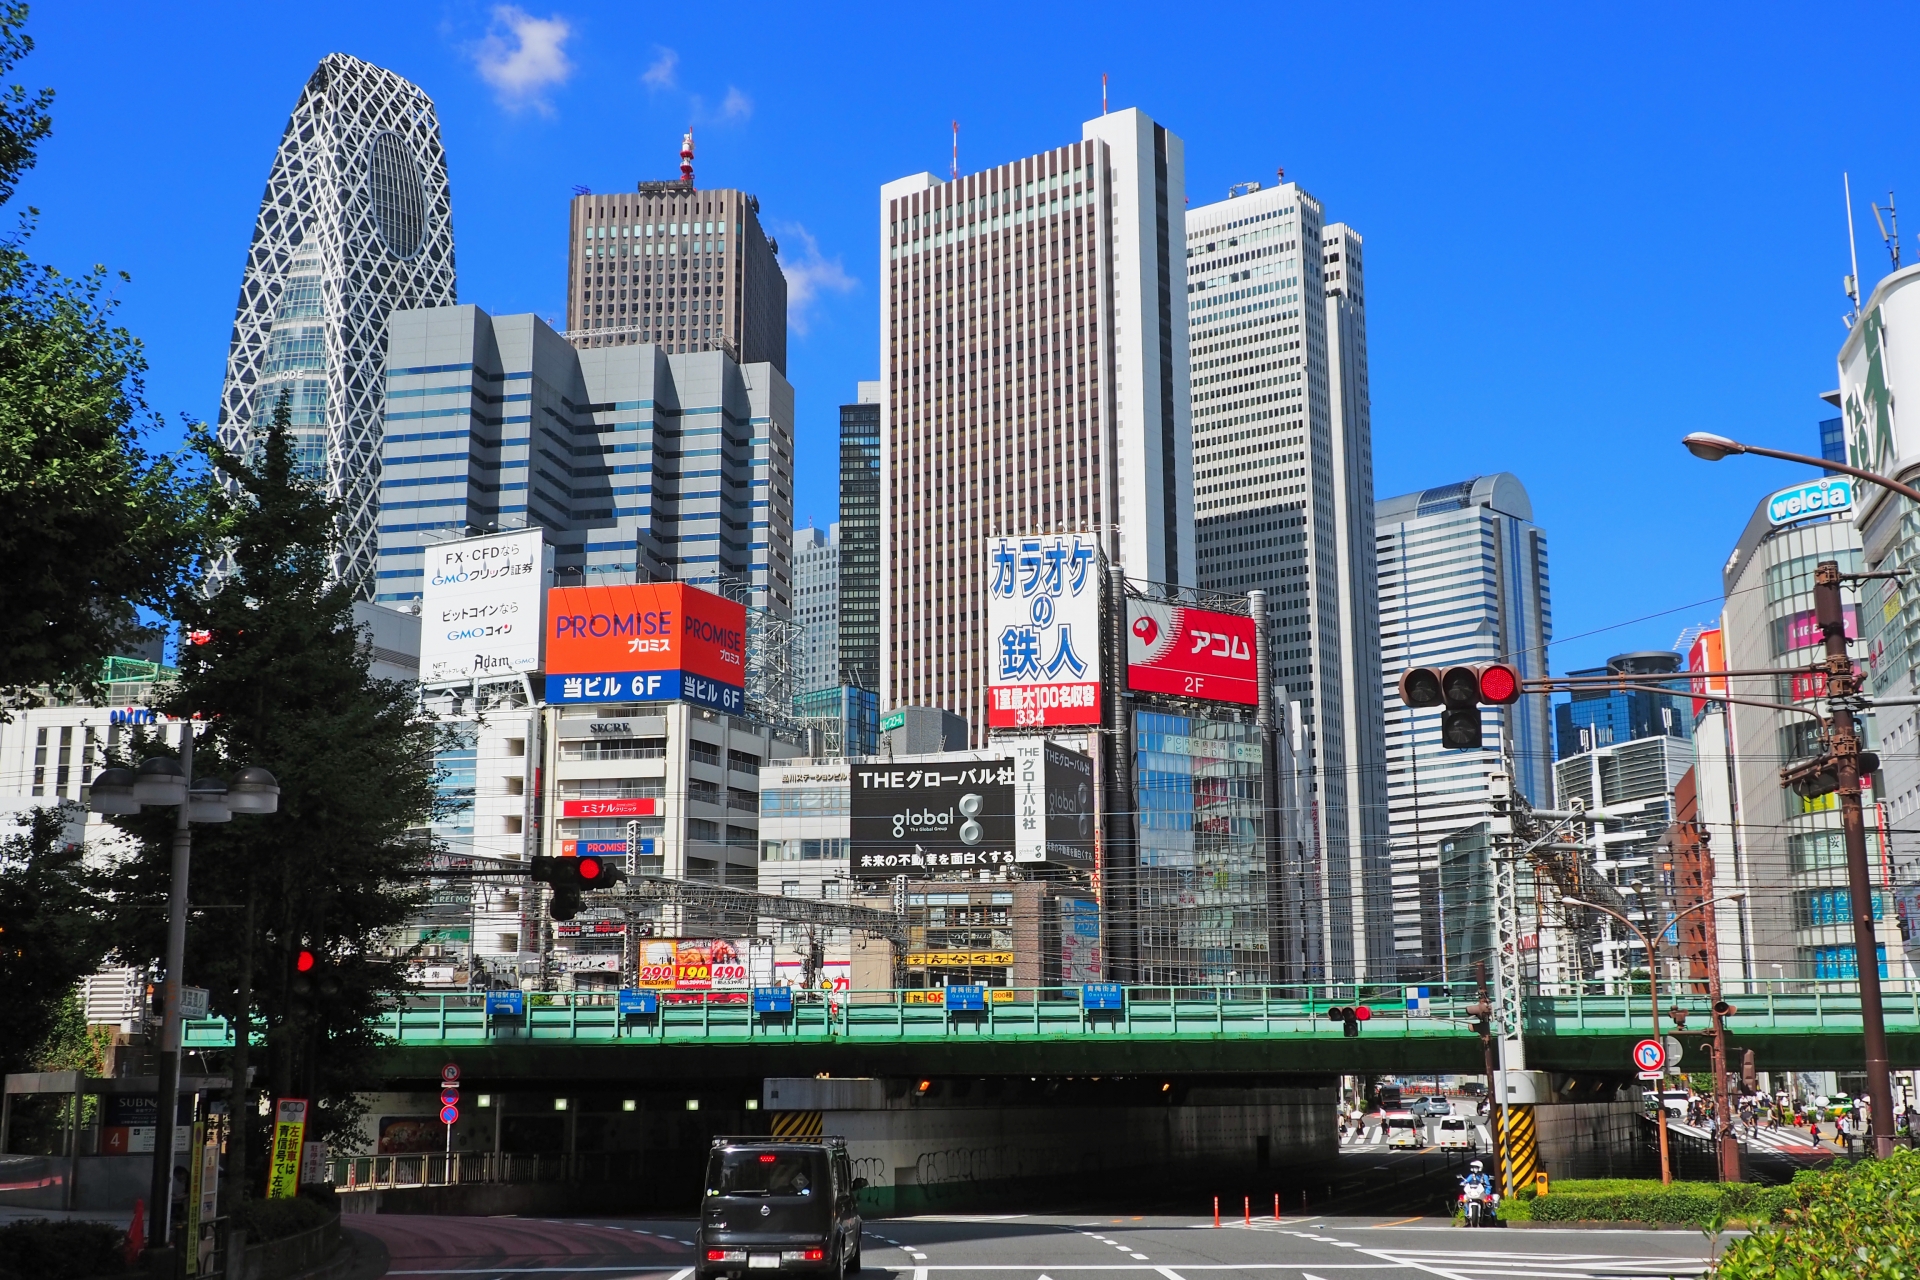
(1844, 747)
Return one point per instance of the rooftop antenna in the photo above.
(1103, 93)
(1281, 174)
(1890, 239)
(956, 149)
(1853, 253)
(686, 156)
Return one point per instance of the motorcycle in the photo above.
(1478, 1204)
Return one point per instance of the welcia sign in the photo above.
(1815, 498)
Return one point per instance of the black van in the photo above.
(783, 1205)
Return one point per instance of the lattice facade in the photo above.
(356, 223)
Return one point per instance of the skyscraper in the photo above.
(1033, 368)
(1601, 717)
(860, 540)
(816, 607)
(673, 264)
(356, 223)
(1463, 578)
(647, 466)
(1283, 470)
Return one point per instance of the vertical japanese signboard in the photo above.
(1052, 805)
(289, 1136)
(1043, 631)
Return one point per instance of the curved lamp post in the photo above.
(1845, 749)
(164, 782)
(1653, 994)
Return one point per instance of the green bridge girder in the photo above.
(1226, 1031)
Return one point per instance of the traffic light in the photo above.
(1811, 779)
(570, 877)
(1722, 1009)
(1350, 1017)
(1749, 1078)
(1461, 690)
(1482, 1014)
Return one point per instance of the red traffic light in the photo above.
(1499, 684)
(1362, 1014)
(303, 962)
(587, 868)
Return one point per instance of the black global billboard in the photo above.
(931, 815)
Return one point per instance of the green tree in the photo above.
(91, 525)
(282, 681)
(52, 932)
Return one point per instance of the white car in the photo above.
(1403, 1130)
(1454, 1131)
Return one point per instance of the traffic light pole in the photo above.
(1844, 746)
(167, 1101)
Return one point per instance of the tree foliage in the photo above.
(282, 681)
(91, 525)
(52, 932)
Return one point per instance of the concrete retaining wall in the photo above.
(1592, 1140)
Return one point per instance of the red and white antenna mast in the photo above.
(686, 157)
(956, 148)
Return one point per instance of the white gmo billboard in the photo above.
(480, 606)
(1880, 356)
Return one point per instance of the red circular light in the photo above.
(589, 868)
(303, 962)
(1362, 1014)
(1497, 684)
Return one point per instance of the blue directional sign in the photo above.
(967, 998)
(509, 1004)
(773, 999)
(1102, 995)
(638, 1002)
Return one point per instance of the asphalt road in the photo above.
(1060, 1247)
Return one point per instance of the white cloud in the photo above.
(809, 274)
(737, 106)
(523, 56)
(660, 74)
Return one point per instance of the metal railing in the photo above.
(1026, 1013)
(463, 1168)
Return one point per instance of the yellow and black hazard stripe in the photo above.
(796, 1124)
(1519, 1148)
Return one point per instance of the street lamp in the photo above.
(1844, 747)
(164, 782)
(1653, 994)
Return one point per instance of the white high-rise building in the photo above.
(1283, 498)
(816, 607)
(1463, 578)
(356, 223)
(1033, 364)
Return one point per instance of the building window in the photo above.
(701, 829)
(742, 762)
(704, 752)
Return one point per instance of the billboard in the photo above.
(1707, 656)
(1052, 805)
(480, 606)
(1191, 653)
(693, 964)
(1814, 498)
(1043, 631)
(931, 814)
(646, 642)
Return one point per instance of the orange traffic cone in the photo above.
(137, 1233)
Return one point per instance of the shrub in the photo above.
(37, 1249)
(1859, 1220)
(266, 1220)
(1646, 1200)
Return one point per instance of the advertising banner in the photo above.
(1043, 631)
(480, 605)
(1707, 655)
(1052, 805)
(649, 642)
(1191, 653)
(693, 964)
(1815, 498)
(289, 1135)
(618, 807)
(933, 815)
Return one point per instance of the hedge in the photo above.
(266, 1220)
(1859, 1220)
(1646, 1200)
(38, 1249)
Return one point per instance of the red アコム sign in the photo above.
(1191, 653)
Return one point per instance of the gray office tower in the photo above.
(356, 223)
(860, 540)
(1283, 501)
(646, 466)
(1463, 578)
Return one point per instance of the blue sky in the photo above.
(1587, 233)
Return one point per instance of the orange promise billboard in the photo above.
(646, 642)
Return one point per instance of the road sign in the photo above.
(450, 1096)
(1651, 1075)
(449, 1114)
(1419, 1002)
(450, 1072)
(1650, 1055)
(1673, 1051)
(193, 1002)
